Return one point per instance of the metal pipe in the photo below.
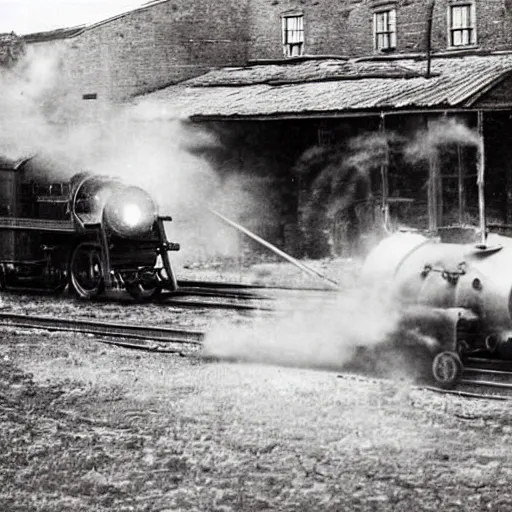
(384, 168)
(430, 20)
(481, 178)
(277, 251)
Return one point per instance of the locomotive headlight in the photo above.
(132, 215)
(130, 211)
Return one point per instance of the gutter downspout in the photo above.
(430, 21)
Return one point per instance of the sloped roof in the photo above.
(69, 32)
(331, 86)
(53, 35)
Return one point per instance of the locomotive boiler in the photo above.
(457, 295)
(91, 232)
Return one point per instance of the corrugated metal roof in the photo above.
(329, 86)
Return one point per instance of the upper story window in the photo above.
(384, 28)
(461, 24)
(293, 35)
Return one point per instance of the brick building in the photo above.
(294, 81)
(357, 28)
(147, 48)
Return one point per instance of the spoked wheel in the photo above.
(447, 369)
(86, 270)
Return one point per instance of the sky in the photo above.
(27, 16)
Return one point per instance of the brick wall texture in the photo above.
(155, 46)
(345, 27)
(172, 40)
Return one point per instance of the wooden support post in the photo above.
(462, 190)
(434, 194)
(384, 172)
(481, 177)
(434, 190)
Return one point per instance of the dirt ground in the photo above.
(89, 427)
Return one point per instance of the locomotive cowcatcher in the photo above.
(91, 232)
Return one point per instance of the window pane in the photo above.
(461, 16)
(293, 35)
(385, 29)
(380, 23)
(462, 25)
(456, 17)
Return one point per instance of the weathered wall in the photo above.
(345, 27)
(170, 41)
(154, 46)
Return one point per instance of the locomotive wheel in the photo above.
(446, 369)
(86, 271)
(143, 292)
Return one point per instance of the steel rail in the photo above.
(466, 394)
(109, 329)
(224, 293)
(475, 381)
(169, 301)
(239, 286)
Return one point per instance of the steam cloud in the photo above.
(327, 336)
(38, 116)
(427, 143)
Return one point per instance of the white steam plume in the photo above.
(38, 116)
(427, 143)
(326, 336)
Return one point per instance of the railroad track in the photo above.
(153, 339)
(482, 378)
(221, 295)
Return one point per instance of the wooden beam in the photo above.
(481, 177)
(384, 173)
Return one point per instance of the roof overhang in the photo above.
(337, 88)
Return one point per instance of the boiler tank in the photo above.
(416, 270)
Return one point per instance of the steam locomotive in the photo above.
(91, 232)
(456, 295)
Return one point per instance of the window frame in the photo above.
(390, 31)
(469, 29)
(285, 32)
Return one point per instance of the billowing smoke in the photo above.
(38, 116)
(27, 105)
(339, 186)
(359, 329)
(440, 133)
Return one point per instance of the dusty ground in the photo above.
(89, 427)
